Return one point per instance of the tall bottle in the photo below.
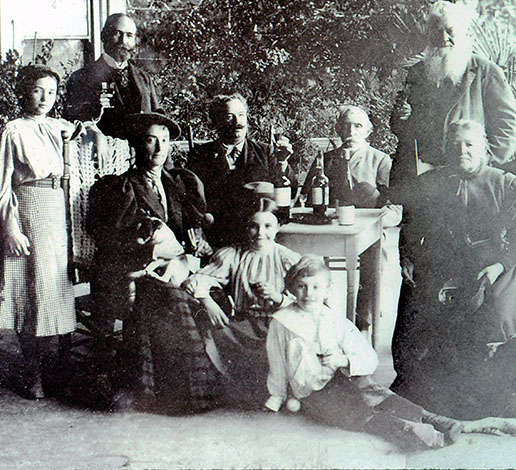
(320, 188)
(283, 195)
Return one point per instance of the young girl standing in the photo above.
(36, 293)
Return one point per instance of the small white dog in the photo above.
(169, 263)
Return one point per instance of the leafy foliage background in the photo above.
(294, 60)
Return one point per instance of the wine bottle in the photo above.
(320, 188)
(283, 195)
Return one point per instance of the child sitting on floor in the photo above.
(325, 362)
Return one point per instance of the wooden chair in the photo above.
(84, 170)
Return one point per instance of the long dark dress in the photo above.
(160, 337)
(456, 227)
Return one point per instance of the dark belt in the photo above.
(54, 182)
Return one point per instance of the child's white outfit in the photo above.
(296, 341)
(345, 397)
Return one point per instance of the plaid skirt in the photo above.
(164, 350)
(36, 294)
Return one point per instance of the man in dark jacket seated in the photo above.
(226, 164)
(141, 221)
(458, 263)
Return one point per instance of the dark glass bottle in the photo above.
(320, 188)
(283, 196)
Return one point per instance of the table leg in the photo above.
(352, 277)
(376, 260)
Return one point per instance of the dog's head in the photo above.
(146, 228)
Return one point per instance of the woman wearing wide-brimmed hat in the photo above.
(141, 217)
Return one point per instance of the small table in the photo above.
(346, 243)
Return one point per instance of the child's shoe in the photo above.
(273, 404)
(451, 428)
(409, 436)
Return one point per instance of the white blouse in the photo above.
(238, 267)
(31, 148)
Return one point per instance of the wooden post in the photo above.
(65, 136)
(96, 26)
(34, 45)
(190, 137)
(271, 138)
(416, 152)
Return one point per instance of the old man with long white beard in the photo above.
(448, 84)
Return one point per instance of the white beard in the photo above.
(448, 62)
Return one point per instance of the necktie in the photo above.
(157, 188)
(349, 178)
(232, 157)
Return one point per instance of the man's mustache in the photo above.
(125, 49)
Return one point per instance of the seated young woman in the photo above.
(139, 219)
(252, 273)
(322, 362)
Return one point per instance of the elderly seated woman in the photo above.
(140, 221)
(459, 262)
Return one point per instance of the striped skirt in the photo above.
(36, 292)
(164, 349)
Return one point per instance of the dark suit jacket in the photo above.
(224, 188)
(83, 89)
(117, 205)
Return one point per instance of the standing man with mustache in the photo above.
(448, 84)
(132, 88)
(225, 165)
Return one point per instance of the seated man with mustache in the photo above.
(226, 164)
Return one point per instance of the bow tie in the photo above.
(122, 77)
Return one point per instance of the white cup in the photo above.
(346, 215)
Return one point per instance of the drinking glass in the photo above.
(302, 200)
